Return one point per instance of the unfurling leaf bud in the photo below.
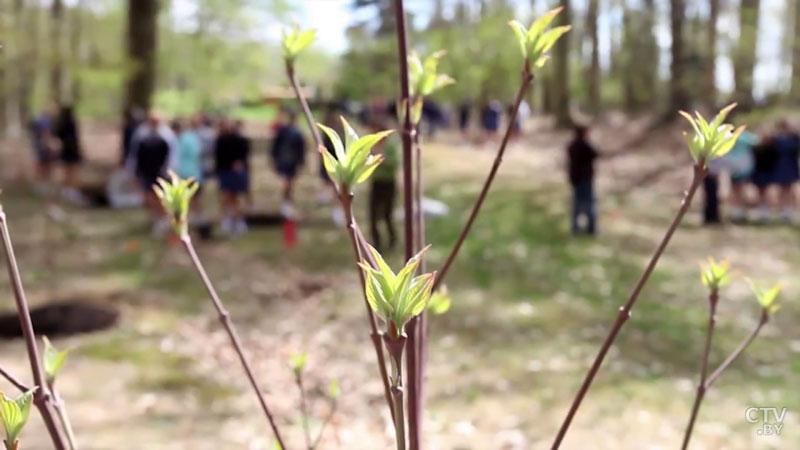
(295, 41)
(176, 196)
(535, 42)
(711, 140)
(352, 163)
(397, 298)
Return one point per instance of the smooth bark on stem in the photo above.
(61, 411)
(312, 126)
(395, 348)
(42, 397)
(354, 234)
(225, 319)
(625, 311)
(415, 414)
(741, 348)
(701, 385)
(418, 338)
(527, 77)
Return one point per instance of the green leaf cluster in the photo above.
(14, 414)
(53, 360)
(766, 296)
(397, 298)
(711, 140)
(715, 275)
(423, 80)
(352, 162)
(537, 40)
(176, 196)
(295, 41)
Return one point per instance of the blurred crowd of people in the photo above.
(765, 165)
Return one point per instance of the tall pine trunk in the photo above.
(711, 67)
(745, 58)
(594, 59)
(561, 97)
(679, 99)
(57, 54)
(27, 32)
(796, 54)
(141, 46)
(76, 51)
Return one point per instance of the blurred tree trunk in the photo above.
(594, 60)
(57, 55)
(561, 97)
(629, 56)
(677, 85)
(795, 92)
(76, 51)
(141, 45)
(10, 57)
(711, 63)
(27, 31)
(745, 58)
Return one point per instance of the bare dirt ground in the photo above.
(530, 308)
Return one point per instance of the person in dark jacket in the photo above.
(288, 156)
(765, 159)
(231, 155)
(66, 131)
(153, 147)
(580, 157)
(787, 170)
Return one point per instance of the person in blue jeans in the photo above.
(580, 157)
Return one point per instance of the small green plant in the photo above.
(704, 145)
(176, 196)
(715, 276)
(299, 363)
(41, 398)
(14, 413)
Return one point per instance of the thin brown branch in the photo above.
(225, 319)
(13, 380)
(713, 297)
(42, 396)
(356, 237)
(527, 77)
(298, 379)
(304, 105)
(331, 413)
(625, 311)
(741, 348)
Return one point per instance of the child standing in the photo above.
(581, 156)
(231, 154)
(189, 161)
(288, 156)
